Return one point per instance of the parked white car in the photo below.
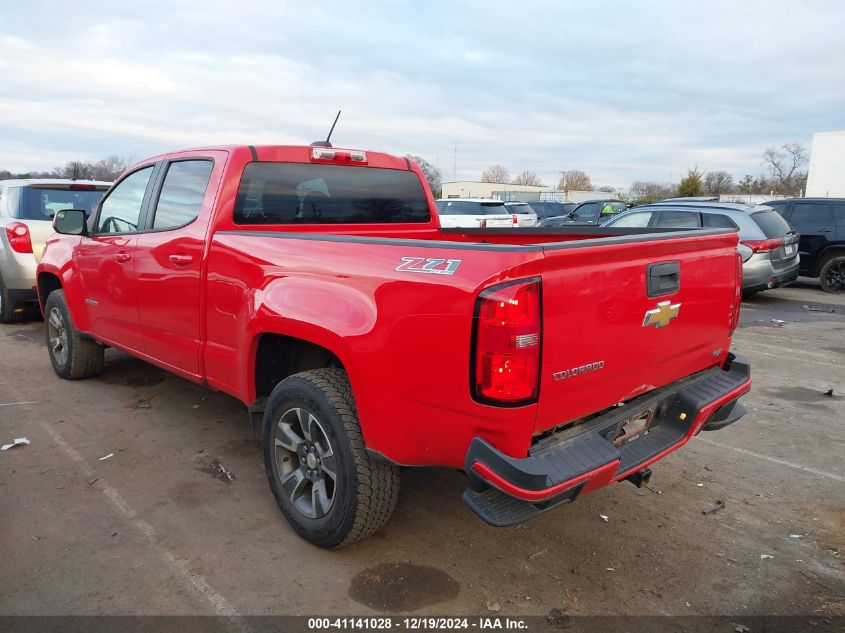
(522, 214)
(473, 213)
(27, 207)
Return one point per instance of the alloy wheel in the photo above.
(305, 462)
(835, 276)
(57, 335)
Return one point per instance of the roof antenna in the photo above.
(327, 143)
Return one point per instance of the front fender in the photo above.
(58, 260)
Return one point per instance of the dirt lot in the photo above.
(157, 529)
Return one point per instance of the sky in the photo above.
(624, 91)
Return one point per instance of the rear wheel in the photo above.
(325, 483)
(73, 356)
(832, 275)
(9, 312)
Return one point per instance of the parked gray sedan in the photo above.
(27, 208)
(767, 244)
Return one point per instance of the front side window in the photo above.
(121, 210)
(589, 211)
(304, 193)
(182, 193)
(632, 220)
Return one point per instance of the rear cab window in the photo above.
(771, 223)
(301, 193)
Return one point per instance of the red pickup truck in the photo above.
(315, 285)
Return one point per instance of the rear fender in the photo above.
(336, 316)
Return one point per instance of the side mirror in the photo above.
(70, 222)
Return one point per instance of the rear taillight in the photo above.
(737, 299)
(763, 246)
(18, 235)
(515, 220)
(507, 340)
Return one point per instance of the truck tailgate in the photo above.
(605, 340)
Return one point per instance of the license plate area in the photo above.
(634, 426)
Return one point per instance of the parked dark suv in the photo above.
(821, 223)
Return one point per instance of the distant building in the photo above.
(826, 176)
(474, 189)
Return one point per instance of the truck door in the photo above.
(106, 261)
(169, 258)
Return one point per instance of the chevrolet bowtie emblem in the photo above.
(662, 314)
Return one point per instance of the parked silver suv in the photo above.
(27, 208)
(767, 244)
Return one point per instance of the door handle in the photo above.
(122, 257)
(663, 279)
(180, 259)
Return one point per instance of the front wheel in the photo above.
(325, 483)
(73, 356)
(832, 275)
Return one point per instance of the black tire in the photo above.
(363, 492)
(832, 274)
(73, 356)
(8, 308)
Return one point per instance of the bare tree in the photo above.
(495, 173)
(528, 178)
(575, 180)
(644, 192)
(718, 182)
(784, 165)
(431, 173)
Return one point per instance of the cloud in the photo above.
(624, 92)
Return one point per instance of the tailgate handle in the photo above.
(664, 278)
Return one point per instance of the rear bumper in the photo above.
(504, 490)
(758, 273)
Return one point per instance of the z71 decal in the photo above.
(430, 265)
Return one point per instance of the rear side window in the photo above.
(679, 220)
(301, 193)
(182, 193)
(839, 213)
(771, 223)
(810, 213)
(780, 207)
(41, 203)
(717, 221)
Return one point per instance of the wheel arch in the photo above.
(276, 356)
(836, 250)
(47, 282)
